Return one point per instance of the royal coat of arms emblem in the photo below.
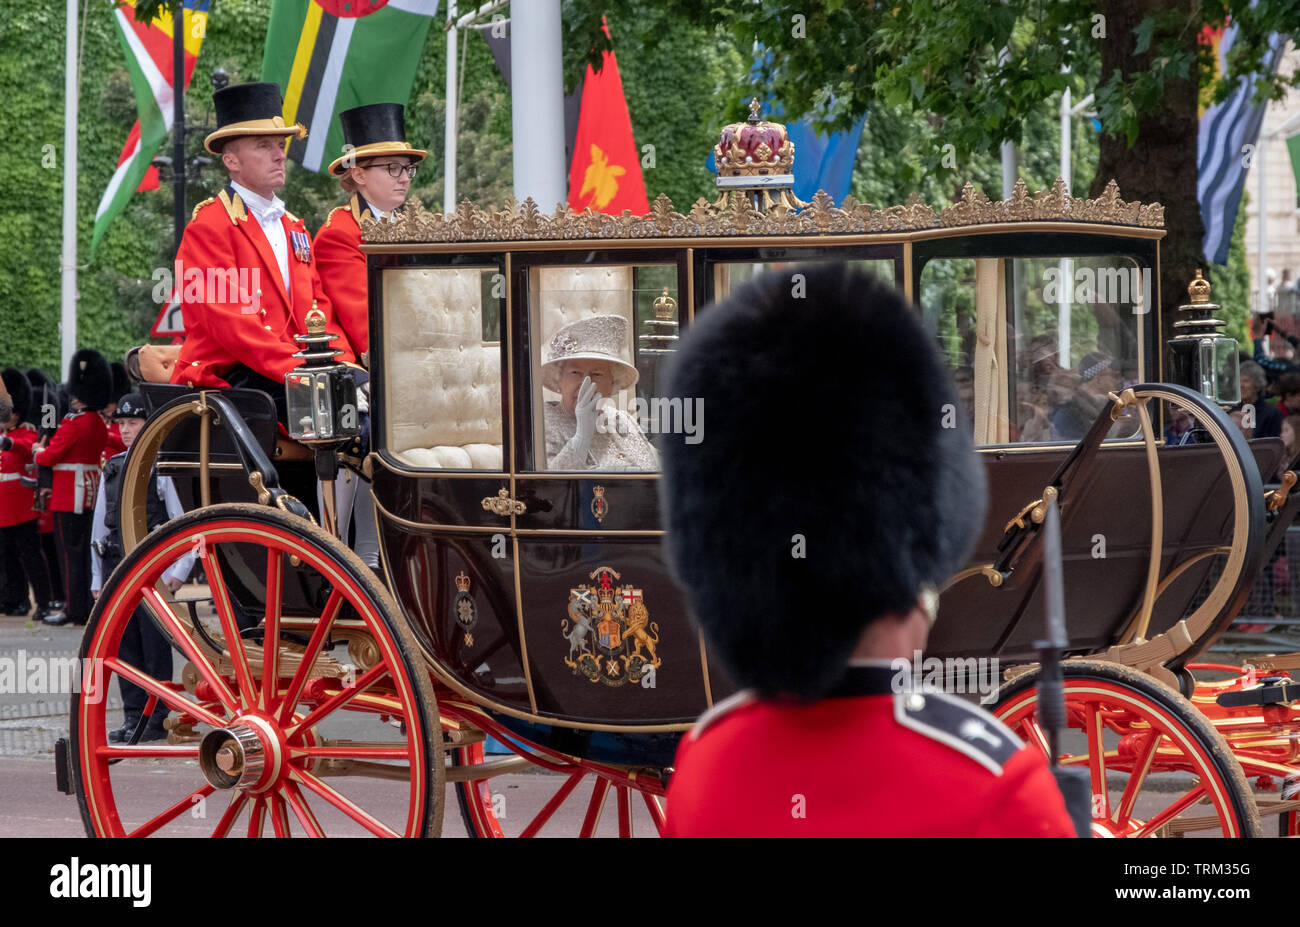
(610, 634)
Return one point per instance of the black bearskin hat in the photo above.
(90, 379)
(19, 390)
(824, 492)
(121, 382)
(46, 392)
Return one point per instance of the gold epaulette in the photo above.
(290, 216)
(195, 214)
(330, 217)
(234, 206)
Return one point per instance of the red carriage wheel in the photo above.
(276, 743)
(1157, 766)
(528, 807)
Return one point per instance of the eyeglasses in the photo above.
(396, 169)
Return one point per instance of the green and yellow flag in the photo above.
(331, 55)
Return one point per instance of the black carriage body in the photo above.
(524, 541)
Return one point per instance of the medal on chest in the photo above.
(301, 246)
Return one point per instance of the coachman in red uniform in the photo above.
(74, 454)
(814, 595)
(247, 278)
(19, 544)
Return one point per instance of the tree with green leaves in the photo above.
(839, 59)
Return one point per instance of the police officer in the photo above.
(143, 644)
(74, 455)
(812, 571)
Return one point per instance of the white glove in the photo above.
(363, 398)
(584, 410)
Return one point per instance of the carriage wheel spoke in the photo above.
(656, 810)
(352, 752)
(174, 700)
(1032, 733)
(1141, 767)
(594, 807)
(256, 817)
(1171, 812)
(342, 803)
(271, 630)
(248, 689)
(339, 699)
(624, 812)
(158, 605)
(279, 816)
(1097, 762)
(149, 751)
(553, 805)
(322, 630)
(237, 801)
(298, 802)
(175, 811)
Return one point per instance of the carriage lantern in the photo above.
(322, 396)
(1201, 356)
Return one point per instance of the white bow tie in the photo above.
(271, 213)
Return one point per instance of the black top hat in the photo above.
(373, 130)
(19, 390)
(130, 406)
(90, 379)
(249, 109)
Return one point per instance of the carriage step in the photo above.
(1273, 692)
(62, 767)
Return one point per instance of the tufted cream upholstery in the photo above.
(443, 385)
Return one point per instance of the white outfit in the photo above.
(616, 444)
(268, 213)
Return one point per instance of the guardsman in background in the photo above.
(74, 454)
(143, 645)
(815, 596)
(376, 171)
(20, 549)
(247, 275)
(121, 386)
(49, 405)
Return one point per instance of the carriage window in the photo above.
(1036, 344)
(442, 356)
(735, 274)
(613, 327)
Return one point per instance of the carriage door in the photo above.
(441, 433)
(606, 630)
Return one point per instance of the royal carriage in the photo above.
(523, 619)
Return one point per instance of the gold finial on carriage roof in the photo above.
(1199, 289)
(755, 111)
(665, 307)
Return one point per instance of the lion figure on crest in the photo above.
(638, 620)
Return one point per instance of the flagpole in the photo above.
(537, 103)
(449, 136)
(178, 123)
(68, 270)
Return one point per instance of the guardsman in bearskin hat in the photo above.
(376, 172)
(121, 386)
(74, 454)
(49, 405)
(256, 264)
(143, 645)
(811, 593)
(20, 550)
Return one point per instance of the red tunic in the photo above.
(860, 766)
(74, 453)
(258, 331)
(342, 268)
(15, 499)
